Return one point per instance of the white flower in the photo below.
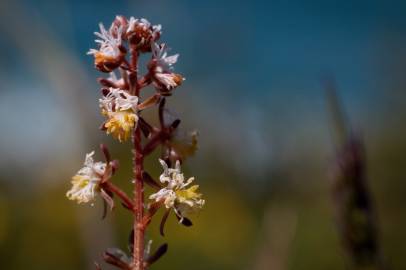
(162, 66)
(121, 110)
(118, 100)
(175, 195)
(168, 196)
(108, 43)
(169, 80)
(109, 55)
(173, 177)
(164, 62)
(85, 184)
(144, 29)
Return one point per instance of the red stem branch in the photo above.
(121, 194)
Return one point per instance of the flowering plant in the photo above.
(120, 47)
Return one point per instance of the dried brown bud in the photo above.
(142, 33)
(106, 63)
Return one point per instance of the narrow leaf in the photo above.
(163, 222)
(105, 152)
(131, 241)
(104, 215)
(157, 254)
(161, 112)
(184, 221)
(108, 198)
(150, 181)
(145, 127)
(149, 102)
(116, 257)
(175, 124)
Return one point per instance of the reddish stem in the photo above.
(133, 76)
(138, 160)
(121, 194)
(154, 142)
(139, 229)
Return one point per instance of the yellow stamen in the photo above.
(188, 194)
(120, 124)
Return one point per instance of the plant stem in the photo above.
(138, 160)
(123, 196)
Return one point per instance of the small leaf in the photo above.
(161, 112)
(157, 254)
(145, 127)
(150, 181)
(105, 152)
(104, 215)
(117, 257)
(184, 221)
(108, 198)
(163, 222)
(131, 241)
(175, 124)
(149, 102)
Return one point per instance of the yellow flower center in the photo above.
(188, 194)
(80, 181)
(120, 124)
(80, 189)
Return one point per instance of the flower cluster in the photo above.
(119, 104)
(122, 105)
(175, 195)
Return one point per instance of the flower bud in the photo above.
(111, 53)
(142, 34)
(120, 22)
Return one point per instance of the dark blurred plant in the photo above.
(120, 48)
(354, 210)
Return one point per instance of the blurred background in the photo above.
(254, 91)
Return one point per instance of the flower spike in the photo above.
(124, 98)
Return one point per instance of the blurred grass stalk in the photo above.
(354, 210)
